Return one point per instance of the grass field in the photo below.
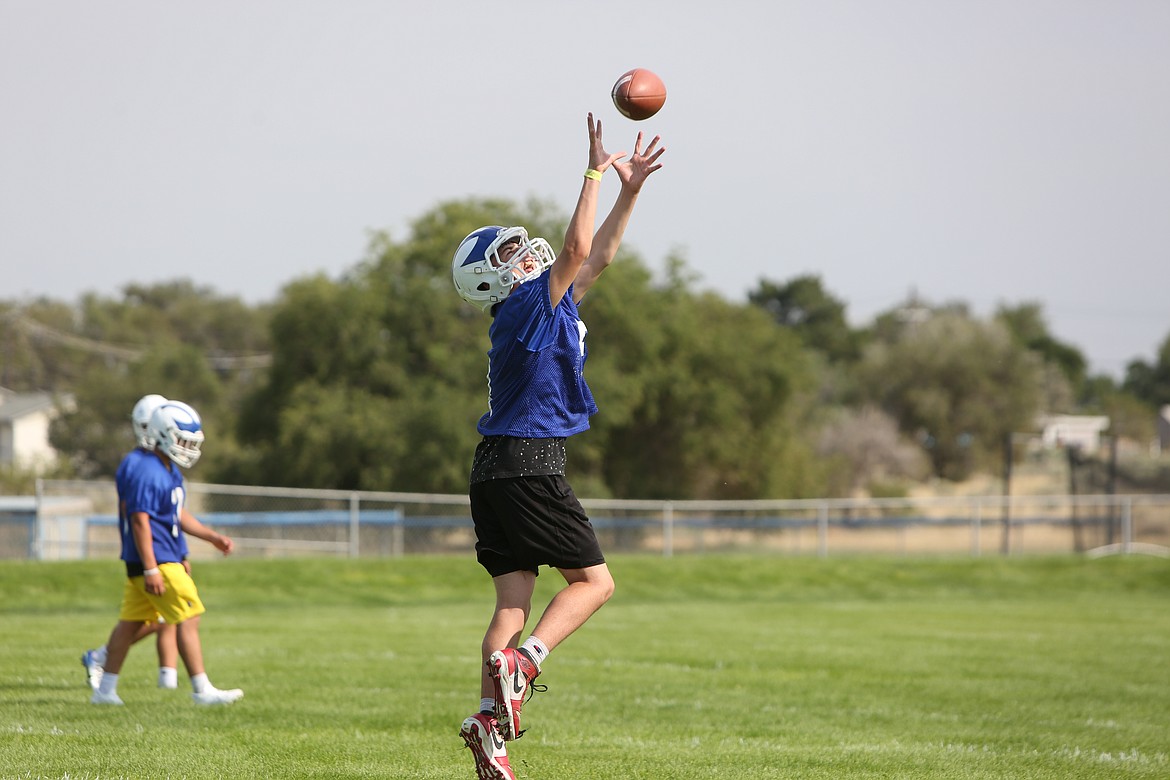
(729, 667)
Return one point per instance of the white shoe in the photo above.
(93, 669)
(105, 698)
(216, 696)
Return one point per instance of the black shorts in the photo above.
(522, 523)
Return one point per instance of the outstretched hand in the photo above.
(599, 159)
(633, 172)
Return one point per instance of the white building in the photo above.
(24, 429)
(1073, 430)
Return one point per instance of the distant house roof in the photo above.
(14, 405)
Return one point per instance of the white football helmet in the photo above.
(177, 430)
(482, 278)
(140, 418)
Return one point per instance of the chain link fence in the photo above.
(78, 519)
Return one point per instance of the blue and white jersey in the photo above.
(536, 381)
(146, 485)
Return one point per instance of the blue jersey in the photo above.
(145, 484)
(536, 380)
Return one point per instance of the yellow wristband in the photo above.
(593, 174)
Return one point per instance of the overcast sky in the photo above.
(985, 151)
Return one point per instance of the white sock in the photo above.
(487, 704)
(168, 677)
(536, 649)
(200, 683)
(109, 683)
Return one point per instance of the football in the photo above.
(639, 94)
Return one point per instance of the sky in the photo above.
(993, 152)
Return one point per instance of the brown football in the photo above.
(639, 94)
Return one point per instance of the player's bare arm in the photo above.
(144, 540)
(192, 525)
(633, 174)
(579, 235)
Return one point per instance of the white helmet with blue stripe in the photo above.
(177, 430)
(483, 278)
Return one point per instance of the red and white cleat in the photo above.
(512, 671)
(481, 734)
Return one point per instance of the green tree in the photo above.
(1027, 324)
(956, 384)
(803, 305)
(1150, 381)
(700, 398)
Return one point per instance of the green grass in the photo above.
(730, 667)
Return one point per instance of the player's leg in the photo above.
(481, 732)
(181, 606)
(500, 673)
(136, 618)
(513, 605)
(190, 646)
(496, 507)
(191, 651)
(94, 660)
(585, 592)
(117, 648)
(166, 643)
(513, 670)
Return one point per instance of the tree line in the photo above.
(375, 380)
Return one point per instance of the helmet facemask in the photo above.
(528, 261)
(184, 447)
(178, 432)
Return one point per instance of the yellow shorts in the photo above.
(179, 602)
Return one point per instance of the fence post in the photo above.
(1127, 526)
(37, 544)
(976, 528)
(823, 531)
(398, 546)
(354, 523)
(667, 529)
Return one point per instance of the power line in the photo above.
(43, 332)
